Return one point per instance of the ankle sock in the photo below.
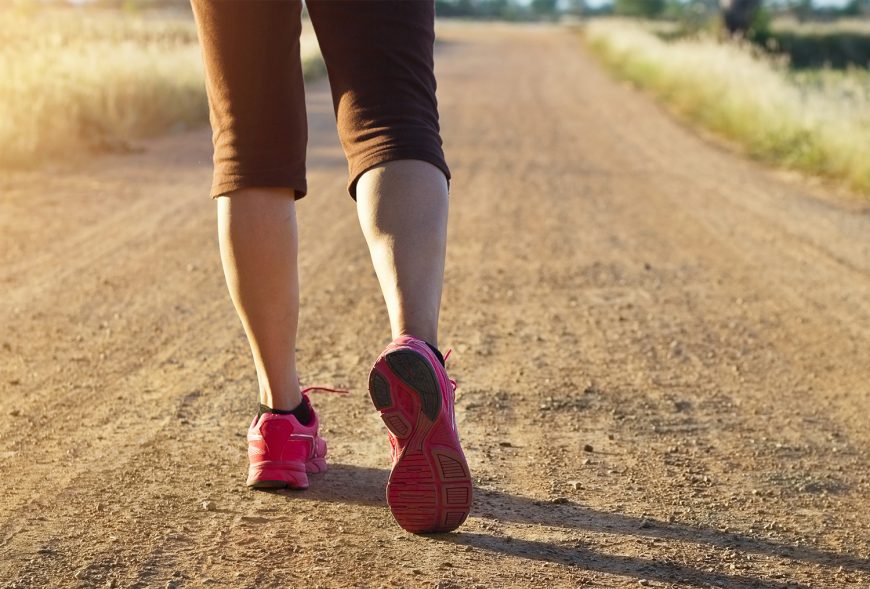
(302, 412)
(435, 351)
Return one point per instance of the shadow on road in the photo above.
(346, 483)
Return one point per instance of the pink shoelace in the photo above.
(325, 390)
(452, 382)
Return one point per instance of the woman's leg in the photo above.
(379, 55)
(402, 208)
(380, 61)
(258, 243)
(257, 106)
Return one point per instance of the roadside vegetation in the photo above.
(77, 79)
(841, 44)
(816, 121)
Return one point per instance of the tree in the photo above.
(802, 9)
(856, 8)
(738, 15)
(544, 7)
(640, 8)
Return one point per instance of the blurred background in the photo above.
(785, 79)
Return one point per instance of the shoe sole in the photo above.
(283, 476)
(275, 484)
(429, 489)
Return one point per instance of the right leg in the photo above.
(402, 209)
(380, 62)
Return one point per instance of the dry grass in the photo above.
(818, 123)
(77, 80)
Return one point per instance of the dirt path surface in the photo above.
(662, 352)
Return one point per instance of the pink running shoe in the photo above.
(430, 487)
(282, 451)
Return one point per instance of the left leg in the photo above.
(257, 111)
(256, 99)
(258, 244)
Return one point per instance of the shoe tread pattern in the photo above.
(418, 374)
(379, 389)
(429, 489)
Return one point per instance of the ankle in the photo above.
(287, 399)
(430, 343)
(430, 336)
(302, 412)
(435, 351)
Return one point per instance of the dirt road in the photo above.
(662, 351)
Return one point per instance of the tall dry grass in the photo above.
(818, 123)
(74, 80)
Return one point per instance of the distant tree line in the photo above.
(506, 9)
(737, 9)
(801, 8)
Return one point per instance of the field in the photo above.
(660, 345)
(815, 122)
(77, 80)
(841, 44)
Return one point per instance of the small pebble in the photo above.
(587, 448)
(560, 500)
(575, 485)
(15, 413)
(208, 505)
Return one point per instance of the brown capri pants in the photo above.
(378, 54)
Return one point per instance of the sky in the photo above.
(838, 3)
